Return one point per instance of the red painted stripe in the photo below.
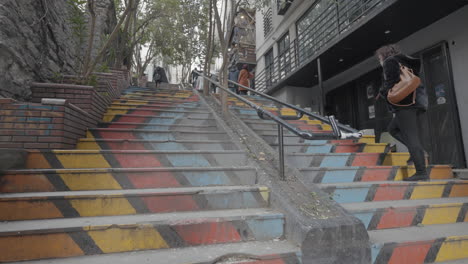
(129, 160)
(125, 145)
(116, 135)
(347, 148)
(170, 203)
(267, 261)
(366, 159)
(410, 253)
(371, 174)
(208, 233)
(158, 179)
(387, 192)
(397, 218)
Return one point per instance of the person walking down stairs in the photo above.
(407, 113)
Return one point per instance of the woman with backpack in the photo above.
(407, 112)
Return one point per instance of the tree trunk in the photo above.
(109, 41)
(209, 53)
(92, 29)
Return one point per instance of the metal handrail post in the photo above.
(281, 151)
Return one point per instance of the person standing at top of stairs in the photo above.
(404, 125)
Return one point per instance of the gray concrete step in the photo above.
(159, 120)
(88, 159)
(313, 175)
(192, 255)
(153, 134)
(428, 244)
(157, 105)
(123, 144)
(102, 235)
(124, 125)
(47, 180)
(71, 204)
(388, 191)
(405, 213)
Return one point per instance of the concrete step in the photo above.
(162, 102)
(153, 134)
(167, 97)
(259, 126)
(386, 191)
(461, 174)
(158, 120)
(85, 159)
(370, 173)
(71, 204)
(105, 235)
(335, 148)
(168, 106)
(428, 244)
(43, 180)
(264, 252)
(404, 213)
(138, 144)
(129, 125)
(154, 112)
(305, 160)
(272, 138)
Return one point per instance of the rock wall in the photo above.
(38, 42)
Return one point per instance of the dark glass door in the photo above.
(442, 137)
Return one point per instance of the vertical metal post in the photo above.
(281, 151)
(322, 93)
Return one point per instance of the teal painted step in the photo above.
(149, 134)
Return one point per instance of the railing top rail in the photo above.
(262, 112)
(298, 109)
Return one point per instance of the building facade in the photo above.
(319, 54)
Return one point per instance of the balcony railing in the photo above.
(334, 18)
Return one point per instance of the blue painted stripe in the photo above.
(364, 217)
(319, 149)
(266, 229)
(355, 195)
(335, 160)
(207, 178)
(155, 136)
(168, 146)
(375, 250)
(188, 160)
(339, 176)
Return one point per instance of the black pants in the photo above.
(404, 127)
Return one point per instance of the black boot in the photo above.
(418, 176)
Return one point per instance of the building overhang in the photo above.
(392, 22)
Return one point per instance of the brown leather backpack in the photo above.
(408, 84)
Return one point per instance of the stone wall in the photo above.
(38, 42)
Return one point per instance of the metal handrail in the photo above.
(330, 120)
(278, 119)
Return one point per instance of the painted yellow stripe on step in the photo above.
(100, 206)
(367, 139)
(31, 247)
(87, 145)
(90, 181)
(404, 172)
(326, 127)
(441, 214)
(396, 159)
(314, 122)
(453, 248)
(27, 210)
(441, 172)
(107, 118)
(116, 111)
(86, 160)
(428, 190)
(265, 192)
(374, 148)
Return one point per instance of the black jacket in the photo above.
(391, 76)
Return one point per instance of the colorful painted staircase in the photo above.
(407, 222)
(159, 181)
